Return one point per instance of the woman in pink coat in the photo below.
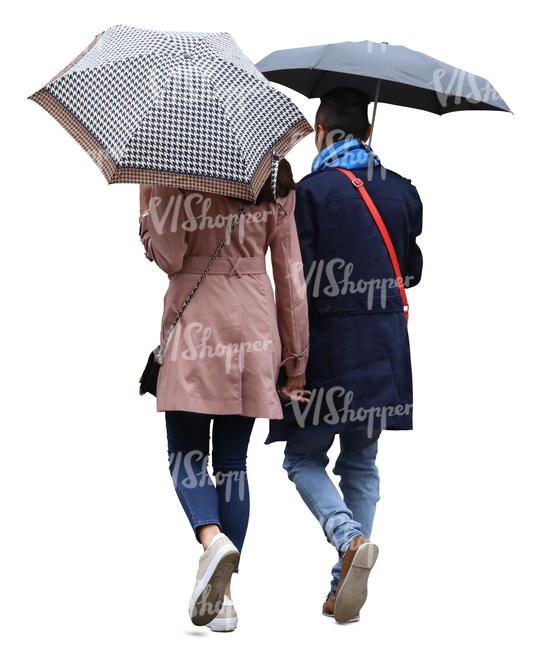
(222, 360)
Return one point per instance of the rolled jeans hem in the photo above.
(207, 522)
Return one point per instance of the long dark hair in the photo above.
(284, 184)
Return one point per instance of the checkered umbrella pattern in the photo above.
(183, 109)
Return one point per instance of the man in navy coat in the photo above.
(359, 370)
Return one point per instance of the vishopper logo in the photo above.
(244, 101)
(154, 87)
(334, 406)
(352, 159)
(195, 207)
(331, 278)
(101, 157)
(198, 89)
(184, 86)
(461, 85)
(196, 344)
(204, 605)
(187, 475)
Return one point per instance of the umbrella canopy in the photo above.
(182, 109)
(391, 73)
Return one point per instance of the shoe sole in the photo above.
(208, 602)
(353, 592)
(223, 625)
(351, 620)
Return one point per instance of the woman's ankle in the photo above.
(206, 534)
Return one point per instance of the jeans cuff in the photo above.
(197, 525)
(346, 544)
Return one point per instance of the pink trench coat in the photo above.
(225, 354)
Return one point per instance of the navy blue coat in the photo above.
(359, 363)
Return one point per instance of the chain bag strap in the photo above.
(148, 380)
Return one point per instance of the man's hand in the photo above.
(294, 389)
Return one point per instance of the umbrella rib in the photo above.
(136, 128)
(317, 82)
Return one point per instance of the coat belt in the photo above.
(197, 264)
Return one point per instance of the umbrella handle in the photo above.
(274, 172)
(376, 99)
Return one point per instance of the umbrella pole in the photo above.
(376, 99)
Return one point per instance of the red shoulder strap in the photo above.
(358, 184)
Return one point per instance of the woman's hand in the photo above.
(145, 192)
(294, 389)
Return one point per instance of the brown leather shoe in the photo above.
(328, 608)
(357, 562)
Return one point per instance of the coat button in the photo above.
(327, 308)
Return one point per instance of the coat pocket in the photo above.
(365, 397)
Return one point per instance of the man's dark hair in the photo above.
(345, 109)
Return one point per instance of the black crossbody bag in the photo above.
(148, 380)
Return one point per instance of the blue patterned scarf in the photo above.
(350, 153)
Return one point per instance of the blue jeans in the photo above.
(341, 517)
(228, 504)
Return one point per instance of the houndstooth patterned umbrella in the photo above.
(182, 109)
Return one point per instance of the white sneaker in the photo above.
(226, 620)
(216, 566)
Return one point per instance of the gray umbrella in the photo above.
(183, 109)
(388, 73)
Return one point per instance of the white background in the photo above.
(96, 550)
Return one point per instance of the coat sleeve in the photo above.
(291, 295)
(161, 234)
(413, 271)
